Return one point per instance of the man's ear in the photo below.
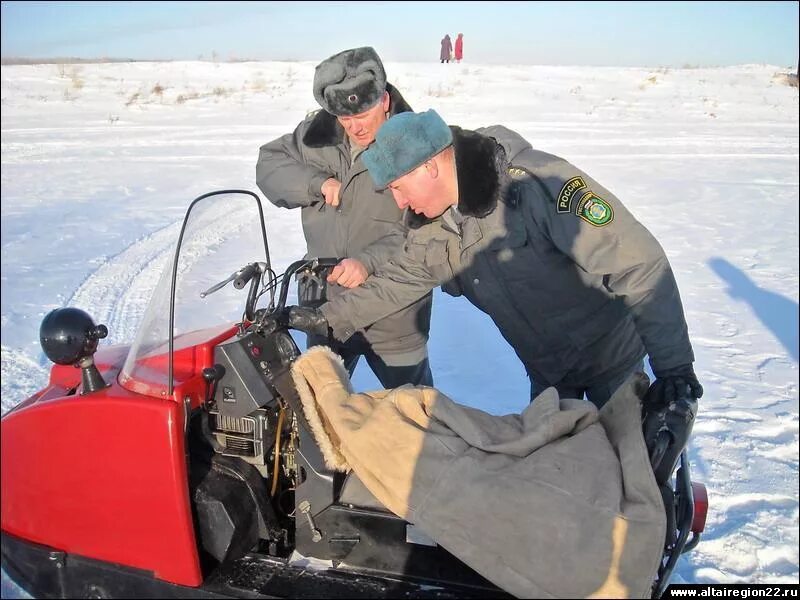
(385, 102)
(432, 168)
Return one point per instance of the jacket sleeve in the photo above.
(590, 225)
(286, 171)
(384, 248)
(396, 284)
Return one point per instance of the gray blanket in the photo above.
(557, 502)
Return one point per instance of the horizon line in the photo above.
(56, 60)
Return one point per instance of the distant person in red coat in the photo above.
(459, 47)
(447, 48)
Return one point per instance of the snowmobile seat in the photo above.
(355, 493)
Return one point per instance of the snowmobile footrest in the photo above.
(275, 578)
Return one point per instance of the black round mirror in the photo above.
(69, 335)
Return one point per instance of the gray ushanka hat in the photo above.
(350, 82)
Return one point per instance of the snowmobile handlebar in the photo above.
(253, 273)
(314, 265)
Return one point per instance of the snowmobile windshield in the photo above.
(221, 233)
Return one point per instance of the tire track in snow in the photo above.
(21, 377)
(117, 295)
(118, 292)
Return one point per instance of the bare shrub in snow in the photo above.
(259, 84)
(652, 80)
(789, 79)
(441, 92)
(182, 98)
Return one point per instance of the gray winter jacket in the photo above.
(577, 286)
(367, 225)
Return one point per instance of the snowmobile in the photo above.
(182, 465)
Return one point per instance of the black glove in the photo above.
(668, 413)
(309, 320)
(673, 384)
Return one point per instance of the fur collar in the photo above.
(482, 175)
(325, 130)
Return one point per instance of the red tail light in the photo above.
(700, 507)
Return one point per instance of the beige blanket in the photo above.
(557, 502)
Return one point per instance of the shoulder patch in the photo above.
(568, 192)
(594, 210)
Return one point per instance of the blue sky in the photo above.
(551, 33)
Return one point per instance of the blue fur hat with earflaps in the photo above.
(403, 143)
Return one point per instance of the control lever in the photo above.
(239, 278)
(218, 286)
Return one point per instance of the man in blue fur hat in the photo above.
(580, 289)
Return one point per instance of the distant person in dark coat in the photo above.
(447, 48)
(459, 47)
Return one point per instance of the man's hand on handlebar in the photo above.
(349, 273)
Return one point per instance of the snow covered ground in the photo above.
(99, 163)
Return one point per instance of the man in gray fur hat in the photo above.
(319, 169)
(580, 289)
